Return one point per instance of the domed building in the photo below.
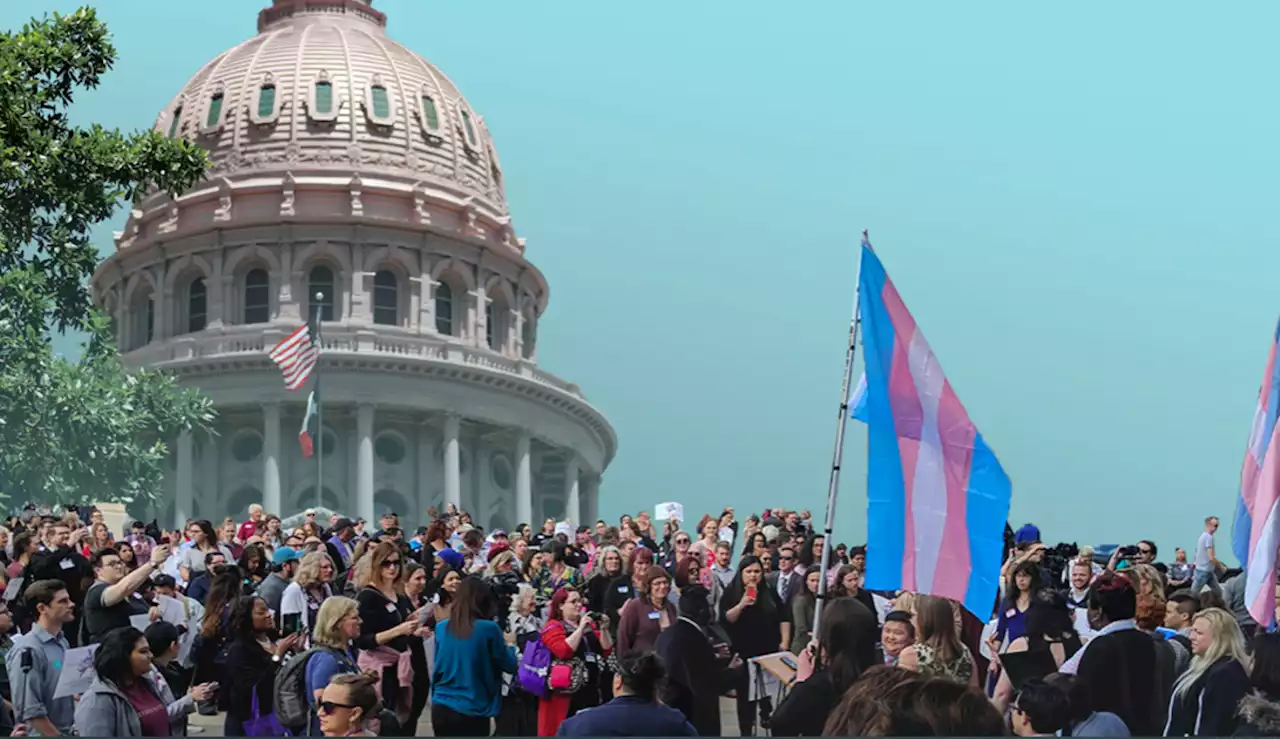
(347, 167)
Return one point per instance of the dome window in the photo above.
(322, 281)
(468, 127)
(197, 305)
(266, 101)
(430, 114)
(174, 121)
(321, 105)
(377, 104)
(528, 337)
(268, 108)
(444, 309)
(386, 299)
(324, 97)
(214, 118)
(257, 296)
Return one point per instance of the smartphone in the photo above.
(751, 592)
(789, 663)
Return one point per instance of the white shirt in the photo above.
(1203, 545)
(1073, 664)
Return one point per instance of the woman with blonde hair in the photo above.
(1206, 696)
(387, 625)
(337, 626)
(301, 601)
(938, 651)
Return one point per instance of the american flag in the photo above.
(296, 356)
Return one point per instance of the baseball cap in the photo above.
(310, 512)
(451, 557)
(284, 555)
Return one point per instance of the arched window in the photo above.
(257, 296)
(489, 329)
(142, 319)
(322, 282)
(469, 127)
(215, 111)
(385, 298)
(324, 97)
(430, 114)
(528, 336)
(266, 101)
(173, 123)
(444, 309)
(197, 305)
(381, 104)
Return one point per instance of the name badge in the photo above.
(391, 608)
(67, 564)
(654, 615)
(622, 588)
(591, 657)
(1011, 613)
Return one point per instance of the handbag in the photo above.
(567, 675)
(260, 725)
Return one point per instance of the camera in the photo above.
(1129, 551)
(595, 616)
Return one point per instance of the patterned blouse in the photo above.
(545, 584)
(959, 668)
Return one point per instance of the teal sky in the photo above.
(1073, 203)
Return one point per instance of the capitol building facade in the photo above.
(346, 166)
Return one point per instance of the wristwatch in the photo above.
(275, 658)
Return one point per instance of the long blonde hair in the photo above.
(309, 569)
(1227, 641)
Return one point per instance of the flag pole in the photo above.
(315, 388)
(833, 486)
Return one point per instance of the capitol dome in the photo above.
(349, 177)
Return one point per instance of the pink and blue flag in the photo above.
(1256, 532)
(937, 497)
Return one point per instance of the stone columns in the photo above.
(591, 503)
(425, 468)
(452, 462)
(184, 509)
(572, 496)
(364, 462)
(271, 457)
(524, 480)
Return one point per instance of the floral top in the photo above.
(959, 669)
(545, 584)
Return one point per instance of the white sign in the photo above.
(668, 511)
(172, 610)
(77, 672)
(566, 528)
(11, 590)
(140, 621)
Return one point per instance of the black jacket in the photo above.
(805, 709)
(1121, 668)
(696, 675)
(1209, 707)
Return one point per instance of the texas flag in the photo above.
(937, 497)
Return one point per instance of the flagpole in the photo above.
(833, 486)
(315, 388)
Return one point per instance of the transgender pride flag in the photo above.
(937, 498)
(1254, 537)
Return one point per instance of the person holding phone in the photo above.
(757, 624)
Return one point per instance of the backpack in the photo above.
(535, 666)
(290, 690)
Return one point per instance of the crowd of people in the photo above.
(636, 628)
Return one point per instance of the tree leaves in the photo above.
(84, 430)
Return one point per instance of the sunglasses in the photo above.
(391, 563)
(331, 706)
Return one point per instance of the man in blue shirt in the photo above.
(634, 710)
(35, 662)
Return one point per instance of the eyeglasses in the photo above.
(331, 706)
(391, 563)
(682, 541)
(786, 558)
(1144, 551)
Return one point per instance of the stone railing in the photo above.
(256, 340)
